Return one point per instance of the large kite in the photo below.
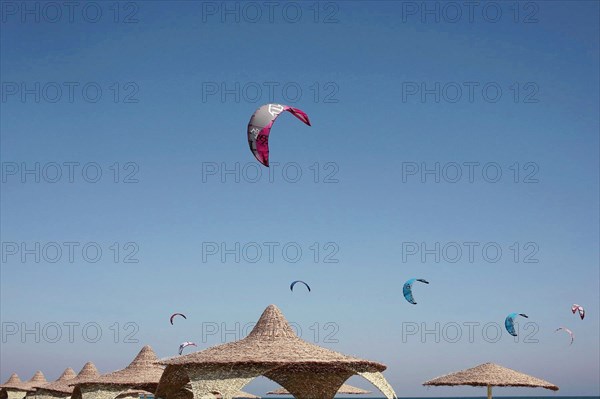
(509, 322)
(407, 289)
(568, 332)
(296, 282)
(260, 125)
(184, 345)
(579, 308)
(176, 314)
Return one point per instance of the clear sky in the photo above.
(455, 143)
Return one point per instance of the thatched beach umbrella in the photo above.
(62, 387)
(11, 389)
(143, 373)
(13, 382)
(14, 388)
(491, 375)
(344, 390)
(37, 380)
(186, 393)
(273, 350)
(68, 374)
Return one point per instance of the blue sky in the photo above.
(178, 84)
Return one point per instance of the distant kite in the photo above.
(260, 125)
(407, 289)
(298, 281)
(184, 345)
(509, 322)
(568, 331)
(176, 314)
(579, 308)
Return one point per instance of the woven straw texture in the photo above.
(273, 350)
(344, 390)
(64, 388)
(490, 374)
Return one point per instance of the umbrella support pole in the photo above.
(489, 389)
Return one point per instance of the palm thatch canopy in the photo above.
(35, 381)
(13, 388)
(186, 393)
(142, 373)
(13, 382)
(344, 390)
(63, 387)
(67, 375)
(271, 349)
(490, 375)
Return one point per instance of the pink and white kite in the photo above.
(579, 308)
(568, 332)
(185, 344)
(260, 125)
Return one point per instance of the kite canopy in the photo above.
(509, 322)
(273, 350)
(568, 331)
(490, 375)
(176, 314)
(407, 289)
(185, 345)
(64, 387)
(344, 390)
(260, 126)
(296, 282)
(579, 308)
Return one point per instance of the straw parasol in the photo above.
(14, 388)
(143, 373)
(186, 393)
(37, 380)
(273, 350)
(67, 375)
(62, 388)
(13, 382)
(490, 375)
(344, 390)
(11, 389)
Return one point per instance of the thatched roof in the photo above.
(344, 390)
(272, 350)
(186, 393)
(65, 386)
(67, 375)
(15, 383)
(143, 373)
(490, 374)
(272, 342)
